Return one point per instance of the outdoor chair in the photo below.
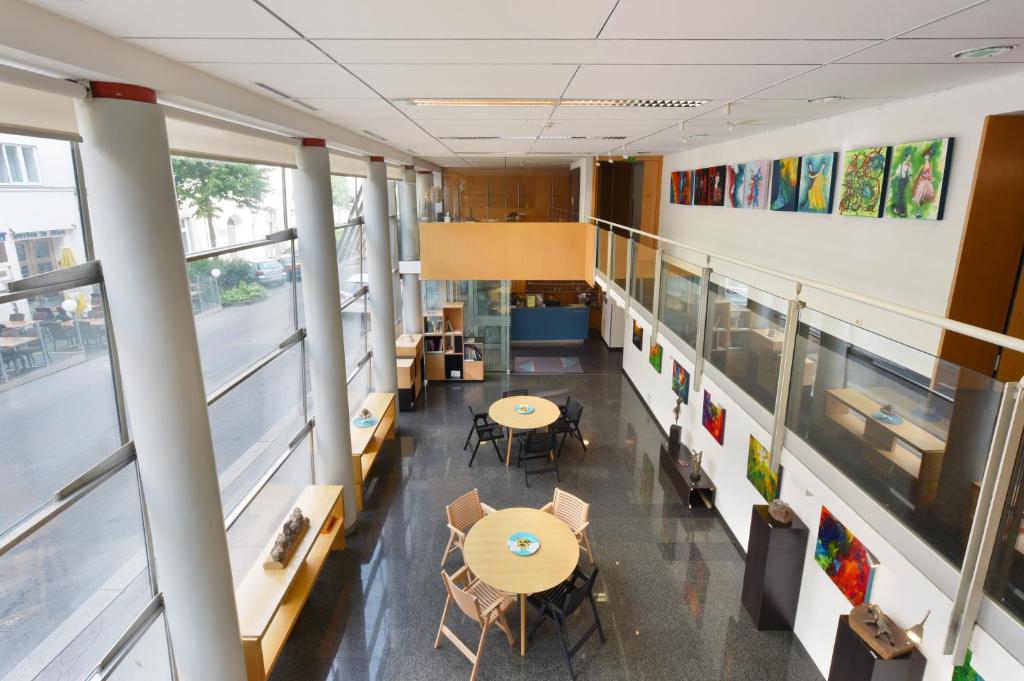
(479, 602)
(486, 432)
(55, 331)
(575, 513)
(479, 418)
(569, 424)
(537, 446)
(559, 603)
(17, 316)
(462, 515)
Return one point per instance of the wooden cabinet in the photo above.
(449, 356)
(409, 353)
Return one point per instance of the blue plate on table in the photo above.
(524, 409)
(523, 544)
(889, 419)
(365, 423)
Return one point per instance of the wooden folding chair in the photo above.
(462, 515)
(575, 513)
(482, 604)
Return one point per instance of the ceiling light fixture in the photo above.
(529, 101)
(825, 100)
(727, 110)
(984, 52)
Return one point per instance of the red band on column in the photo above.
(314, 142)
(376, 159)
(134, 93)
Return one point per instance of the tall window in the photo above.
(19, 164)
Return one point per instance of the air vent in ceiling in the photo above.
(284, 95)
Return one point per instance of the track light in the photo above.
(727, 110)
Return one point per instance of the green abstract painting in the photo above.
(918, 174)
(965, 672)
(863, 182)
(759, 471)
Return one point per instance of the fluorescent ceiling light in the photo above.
(526, 101)
(825, 100)
(984, 52)
(532, 137)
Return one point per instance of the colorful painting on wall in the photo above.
(713, 418)
(673, 187)
(655, 355)
(681, 381)
(918, 174)
(638, 336)
(734, 178)
(686, 188)
(965, 672)
(817, 182)
(844, 559)
(863, 186)
(700, 186)
(716, 186)
(785, 175)
(755, 185)
(759, 471)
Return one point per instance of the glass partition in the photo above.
(149, 659)
(912, 430)
(644, 263)
(744, 337)
(1005, 583)
(360, 384)
(679, 306)
(620, 254)
(602, 250)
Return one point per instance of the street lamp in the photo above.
(215, 273)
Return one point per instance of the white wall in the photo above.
(586, 166)
(908, 262)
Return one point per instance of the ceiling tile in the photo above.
(330, 107)
(480, 130)
(296, 80)
(757, 19)
(930, 51)
(258, 51)
(476, 113)
(639, 114)
(667, 82)
(489, 145)
(177, 19)
(994, 18)
(792, 110)
(466, 80)
(455, 19)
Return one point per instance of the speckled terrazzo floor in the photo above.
(669, 590)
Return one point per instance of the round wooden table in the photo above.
(545, 412)
(487, 556)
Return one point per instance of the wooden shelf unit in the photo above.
(367, 442)
(269, 600)
(409, 353)
(444, 350)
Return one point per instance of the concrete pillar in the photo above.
(424, 187)
(137, 237)
(409, 250)
(325, 344)
(378, 270)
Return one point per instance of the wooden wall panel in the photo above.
(538, 194)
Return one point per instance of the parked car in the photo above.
(352, 286)
(286, 263)
(270, 273)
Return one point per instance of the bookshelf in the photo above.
(448, 356)
(409, 353)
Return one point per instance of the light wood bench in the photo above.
(270, 600)
(366, 442)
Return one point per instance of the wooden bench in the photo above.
(270, 600)
(366, 442)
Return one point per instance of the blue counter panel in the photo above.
(550, 323)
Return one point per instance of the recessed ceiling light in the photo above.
(527, 101)
(984, 52)
(826, 99)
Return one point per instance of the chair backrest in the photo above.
(465, 510)
(579, 594)
(570, 509)
(17, 316)
(467, 602)
(573, 411)
(514, 393)
(540, 442)
(41, 313)
(479, 417)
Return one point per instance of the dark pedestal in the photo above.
(775, 564)
(677, 468)
(407, 399)
(853, 660)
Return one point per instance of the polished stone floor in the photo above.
(670, 578)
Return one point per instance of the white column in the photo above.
(137, 237)
(409, 250)
(378, 270)
(325, 344)
(424, 187)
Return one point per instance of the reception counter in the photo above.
(563, 324)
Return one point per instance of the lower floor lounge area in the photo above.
(668, 590)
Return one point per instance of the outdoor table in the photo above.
(503, 412)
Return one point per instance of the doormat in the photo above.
(548, 365)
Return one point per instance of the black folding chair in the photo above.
(516, 392)
(488, 432)
(569, 424)
(562, 601)
(535, 447)
(479, 419)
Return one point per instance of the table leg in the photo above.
(508, 451)
(522, 624)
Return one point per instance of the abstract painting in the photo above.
(638, 336)
(864, 173)
(700, 187)
(755, 185)
(716, 186)
(673, 187)
(965, 672)
(817, 182)
(844, 559)
(785, 176)
(713, 418)
(918, 174)
(654, 356)
(759, 471)
(735, 174)
(681, 381)
(686, 188)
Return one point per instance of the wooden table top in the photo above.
(487, 555)
(915, 435)
(19, 325)
(503, 411)
(16, 341)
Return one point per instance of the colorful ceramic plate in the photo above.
(890, 419)
(523, 544)
(524, 409)
(364, 423)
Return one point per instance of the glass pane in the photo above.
(149, 659)
(28, 155)
(344, 191)
(253, 424)
(680, 301)
(1005, 582)
(13, 164)
(359, 387)
(355, 323)
(433, 294)
(262, 519)
(644, 262)
(883, 413)
(56, 397)
(243, 307)
(620, 251)
(72, 588)
(745, 333)
(602, 250)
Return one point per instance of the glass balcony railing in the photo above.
(619, 258)
(644, 264)
(679, 304)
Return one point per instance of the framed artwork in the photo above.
(844, 559)
(716, 186)
(673, 187)
(638, 336)
(654, 356)
(863, 186)
(686, 188)
(713, 418)
(759, 471)
(785, 176)
(918, 175)
(754, 193)
(817, 182)
(681, 381)
(700, 186)
(734, 178)
(965, 672)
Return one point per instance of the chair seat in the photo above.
(492, 431)
(555, 595)
(488, 596)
